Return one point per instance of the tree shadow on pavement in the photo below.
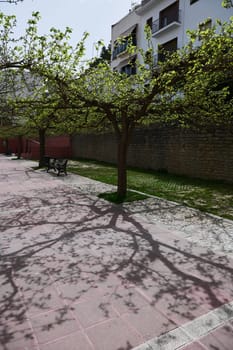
(74, 263)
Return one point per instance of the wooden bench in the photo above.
(60, 166)
(49, 162)
(57, 164)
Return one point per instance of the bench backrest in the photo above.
(61, 162)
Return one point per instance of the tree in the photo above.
(173, 92)
(105, 56)
(35, 61)
(122, 102)
(184, 90)
(227, 3)
(207, 98)
(8, 120)
(36, 111)
(13, 52)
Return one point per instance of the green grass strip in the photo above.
(209, 196)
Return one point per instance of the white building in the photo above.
(169, 21)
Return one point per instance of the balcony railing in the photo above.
(122, 47)
(119, 49)
(161, 23)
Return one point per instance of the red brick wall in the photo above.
(58, 146)
(55, 146)
(12, 145)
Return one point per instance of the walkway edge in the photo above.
(190, 331)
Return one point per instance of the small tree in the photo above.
(36, 61)
(158, 94)
(123, 102)
(105, 56)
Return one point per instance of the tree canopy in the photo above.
(191, 88)
(227, 3)
(34, 61)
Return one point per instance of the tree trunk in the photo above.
(42, 147)
(122, 151)
(19, 151)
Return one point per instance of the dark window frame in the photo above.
(169, 14)
(166, 48)
(149, 22)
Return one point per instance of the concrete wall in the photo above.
(203, 155)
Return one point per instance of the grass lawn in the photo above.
(209, 196)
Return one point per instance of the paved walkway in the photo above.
(78, 273)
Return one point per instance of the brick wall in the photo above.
(55, 146)
(198, 154)
(11, 145)
(58, 146)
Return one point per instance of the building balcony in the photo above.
(127, 38)
(163, 24)
(145, 6)
(119, 50)
(144, 2)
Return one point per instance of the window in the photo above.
(130, 68)
(121, 45)
(149, 22)
(166, 48)
(204, 26)
(193, 1)
(169, 14)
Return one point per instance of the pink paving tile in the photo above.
(75, 341)
(12, 309)
(220, 339)
(127, 299)
(179, 307)
(93, 311)
(196, 301)
(195, 346)
(149, 322)
(210, 298)
(195, 260)
(6, 289)
(42, 301)
(33, 278)
(225, 294)
(86, 288)
(53, 325)
(113, 335)
(16, 336)
(109, 284)
(77, 292)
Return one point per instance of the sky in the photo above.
(93, 16)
